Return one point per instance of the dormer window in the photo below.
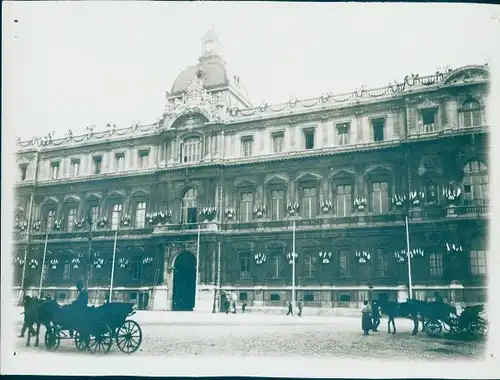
(120, 161)
(246, 144)
(54, 170)
(23, 169)
(75, 167)
(428, 119)
(191, 150)
(378, 126)
(343, 133)
(97, 162)
(143, 158)
(309, 138)
(278, 139)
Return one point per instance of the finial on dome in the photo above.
(211, 45)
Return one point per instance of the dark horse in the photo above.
(413, 309)
(37, 312)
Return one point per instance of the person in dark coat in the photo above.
(243, 307)
(290, 309)
(375, 316)
(438, 298)
(300, 308)
(226, 306)
(366, 318)
(83, 296)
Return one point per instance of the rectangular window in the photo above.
(278, 143)
(247, 144)
(243, 296)
(309, 203)
(120, 161)
(275, 297)
(246, 207)
(136, 270)
(344, 269)
(67, 271)
(116, 215)
(428, 119)
(310, 265)
(143, 159)
(380, 198)
(191, 150)
(344, 297)
(436, 264)
(381, 264)
(244, 266)
(97, 163)
(344, 200)
(309, 138)
(71, 219)
(94, 214)
(378, 129)
(343, 133)
(140, 215)
(478, 262)
(23, 170)
(277, 204)
(276, 266)
(51, 218)
(308, 297)
(75, 167)
(54, 170)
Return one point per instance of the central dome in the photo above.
(214, 75)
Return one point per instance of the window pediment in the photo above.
(309, 177)
(378, 171)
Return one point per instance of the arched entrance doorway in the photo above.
(184, 288)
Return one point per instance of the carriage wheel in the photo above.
(433, 328)
(477, 329)
(454, 324)
(129, 337)
(81, 341)
(101, 340)
(52, 338)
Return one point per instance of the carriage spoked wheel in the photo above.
(129, 337)
(432, 327)
(454, 324)
(81, 341)
(52, 338)
(477, 328)
(100, 339)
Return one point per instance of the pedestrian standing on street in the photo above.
(226, 306)
(366, 318)
(375, 316)
(300, 308)
(290, 309)
(234, 307)
(243, 307)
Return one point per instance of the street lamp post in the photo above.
(292, 257)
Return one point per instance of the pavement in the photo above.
(180, 334)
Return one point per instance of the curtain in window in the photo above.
(344, 200)
(380, 198)
(309, 202)
(246, 207)
(190, 207)
(277, 204)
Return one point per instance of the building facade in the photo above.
(203, 203)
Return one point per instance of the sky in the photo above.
(73, 64)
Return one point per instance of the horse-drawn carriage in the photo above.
(470, 323)
(95, 328)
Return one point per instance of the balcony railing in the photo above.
(324, 221)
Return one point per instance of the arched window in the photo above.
(189, 207)
(471, 111)
(245, 257)
(475, 183)
(191, 150)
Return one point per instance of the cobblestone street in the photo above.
(195, 334)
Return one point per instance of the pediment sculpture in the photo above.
(196, 100)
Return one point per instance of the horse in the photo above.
(399, 309)
(39, 312)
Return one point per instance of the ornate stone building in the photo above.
(344, 169)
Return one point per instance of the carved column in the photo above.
(359, 128)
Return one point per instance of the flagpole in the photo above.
(113, 268)
(197, 266)
(293, 267)
(43, 263)
(408, 259)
